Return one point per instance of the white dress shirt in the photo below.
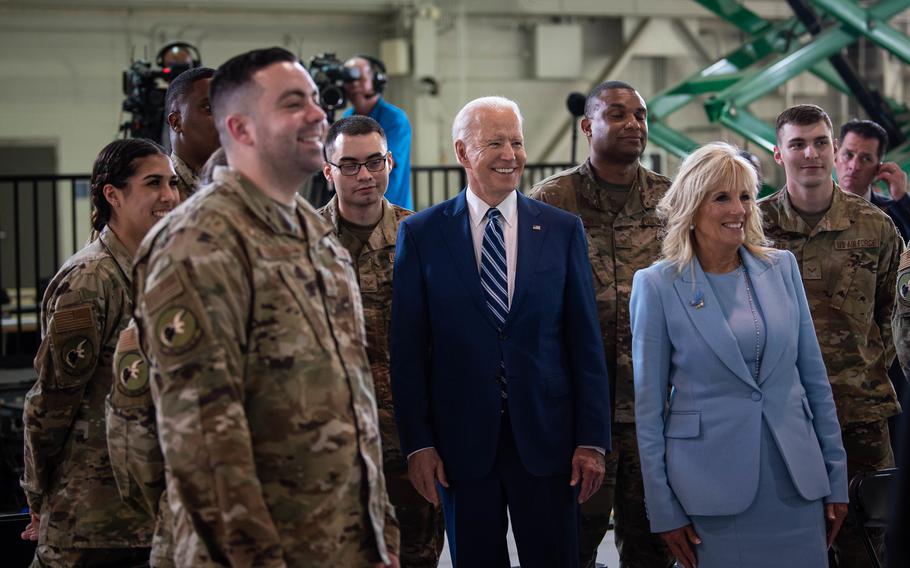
(508, 208)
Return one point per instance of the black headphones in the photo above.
(379, 73)
(197, 57)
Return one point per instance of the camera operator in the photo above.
(191, 127)
(145, 88)
(178, 57)
(365, 94)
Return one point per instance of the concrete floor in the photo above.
(606, 554)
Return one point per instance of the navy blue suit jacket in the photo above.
(446, 348)
(899, 211)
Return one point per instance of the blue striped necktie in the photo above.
(494, 280)
(493, 267)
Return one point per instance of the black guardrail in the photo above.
(45, 218)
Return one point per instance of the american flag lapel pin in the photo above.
(535, 227)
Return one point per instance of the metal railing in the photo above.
(434, 184)
(44, 219)
(33, 244)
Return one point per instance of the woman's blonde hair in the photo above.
(712, 166)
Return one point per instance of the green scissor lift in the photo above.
(773, 54)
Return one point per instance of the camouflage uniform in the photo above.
(849, 265)
(422, 529)
(68, 478)
(621, 240)
(900, 325)
(254, 333)
(900, 321)
(187, 179)
(132, 439)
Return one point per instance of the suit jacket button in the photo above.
(503, 337)
(756, 396)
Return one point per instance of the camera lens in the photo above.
(332, 97)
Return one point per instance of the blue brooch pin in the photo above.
(698, 302)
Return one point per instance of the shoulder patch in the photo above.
(75, 344)
(132, 373)
(903, 286)
(905, 260)
(174, 320)
(77, 355)
(170, 287)
(69, 320)
(128, 340)
(177, 330)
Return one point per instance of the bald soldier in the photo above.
(615, 196)
(357, 165)
(253, 327)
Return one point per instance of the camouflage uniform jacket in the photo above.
(187, 179)
(849, 266)
(900, 321)
(374, 275)
(255, 337)
(132, 439)
(619, 243)
(68, 477)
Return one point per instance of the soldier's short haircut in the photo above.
(596, 92)
(235, 76)
(115, 164)
(180, 87)
(354, 125)
(803, 115)
(866, 129)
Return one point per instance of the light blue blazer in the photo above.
(700, 444)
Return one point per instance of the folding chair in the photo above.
(870, 504)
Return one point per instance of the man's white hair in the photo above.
(464, 120)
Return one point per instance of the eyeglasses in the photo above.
(352, 169)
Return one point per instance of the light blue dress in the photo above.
(780, 528)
